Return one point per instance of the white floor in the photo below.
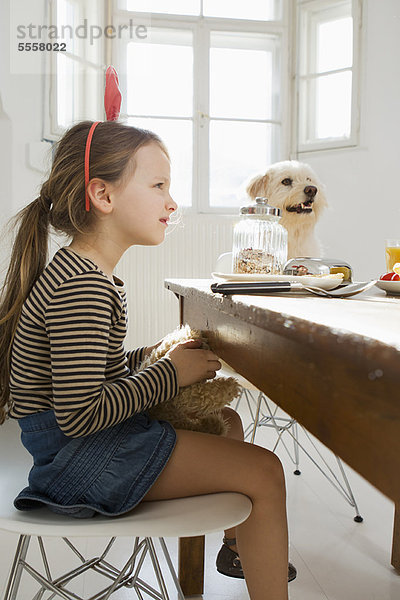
(336, 558)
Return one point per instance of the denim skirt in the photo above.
(107, 472)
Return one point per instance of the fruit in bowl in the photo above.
(390, 282)
(390, 277)
(393, 275)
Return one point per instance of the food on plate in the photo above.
(300, 271)
(390, 277)
(396, 268)
(327, 276)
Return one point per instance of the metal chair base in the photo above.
(266, 415)
(128, 576)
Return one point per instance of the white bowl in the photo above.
(390, 287)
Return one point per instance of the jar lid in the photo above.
(260, 208)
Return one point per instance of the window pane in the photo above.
(237, 150)
(78, 89)
(66, 90)
(184, 7)
(160, 75)
(66, 23)
(333, 114)
(238, 96)
(331, 54)
(264, 10)
(90, 80)
(178, 138)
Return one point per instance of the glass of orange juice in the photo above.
(392, 254)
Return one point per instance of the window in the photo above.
(211, 87)
(75, 87)
(244, 126)
(159, 97)
(327, 74)
(214, 79)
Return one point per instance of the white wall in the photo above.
(362, 182)
(21, 101)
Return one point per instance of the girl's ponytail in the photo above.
(28, 259)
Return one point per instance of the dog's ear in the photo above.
(257, 186)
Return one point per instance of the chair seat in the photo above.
(181, 517)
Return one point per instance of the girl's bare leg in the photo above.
(202, 464)
(236, 433)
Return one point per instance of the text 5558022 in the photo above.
(42, 47)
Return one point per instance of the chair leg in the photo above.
(171, 569)
(296, 449)
(157, 569)
(240, 397)
(345, 490)
(281, 424)
(16, 569)
(115, 585)
(120, 577)
(358, 518)
(257, 417)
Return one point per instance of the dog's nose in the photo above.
(310, 191)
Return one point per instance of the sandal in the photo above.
(228, 562)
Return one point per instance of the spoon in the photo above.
(349, 290)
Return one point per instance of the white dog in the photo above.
(295, 189)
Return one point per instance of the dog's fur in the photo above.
(301, 199)
(198, 406)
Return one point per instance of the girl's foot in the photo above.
(228, 561)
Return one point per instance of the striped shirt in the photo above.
(68, 352)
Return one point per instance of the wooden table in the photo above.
(332, 364)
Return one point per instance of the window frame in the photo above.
(313, 7)
(201, 28)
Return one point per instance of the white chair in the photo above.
(183, 517)
(264, 413)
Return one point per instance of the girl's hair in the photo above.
(61, 204)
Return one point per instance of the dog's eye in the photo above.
(287, 181)
(308, 179)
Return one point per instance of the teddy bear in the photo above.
(197, 407)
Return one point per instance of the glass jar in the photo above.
(259, 240)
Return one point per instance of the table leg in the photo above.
(191, 549)
(191, 565)
(396, 538)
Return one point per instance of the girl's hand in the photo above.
(149, 349)
(193, 364)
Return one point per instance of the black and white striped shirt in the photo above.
(68, 352)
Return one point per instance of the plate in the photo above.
(390, 287)
(327, 282)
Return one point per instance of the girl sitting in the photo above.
(67, 378)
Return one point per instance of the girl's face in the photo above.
(142, 207)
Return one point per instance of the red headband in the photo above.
(112, 105)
